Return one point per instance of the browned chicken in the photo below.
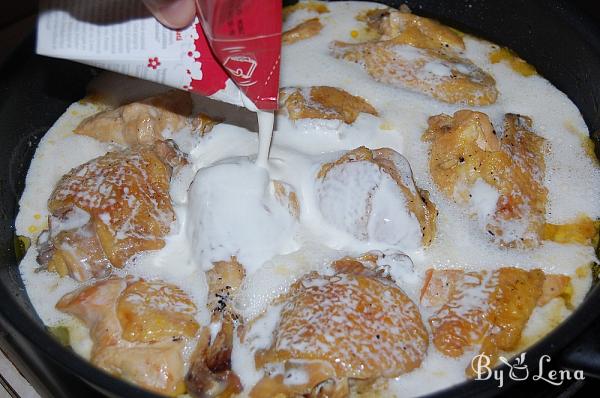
(337, 332)
(145, 122)
(374, 264)
(517, 64)
(465, 147)
(364, 265)
(393, 165)
(302, 31)
(488, 309)
(323, 102)
(210, 373)
(139, 330)
(411, 29)
(421, 55)
(106, 210)
(583, 230)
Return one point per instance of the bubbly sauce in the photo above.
(226, 206)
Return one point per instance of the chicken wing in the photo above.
(371, 195)
(107, 210)
(139, 330)
(323, 102)
(465, 148)
(488, 309)
(421, 55)
(145, 122)
(338, 330)
(210, 373)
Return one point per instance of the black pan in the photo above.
(561, 43)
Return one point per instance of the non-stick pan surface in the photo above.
(34, 91)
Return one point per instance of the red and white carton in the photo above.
(232, 50)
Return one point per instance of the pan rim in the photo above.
(37, 335)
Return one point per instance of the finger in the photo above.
(175, 14)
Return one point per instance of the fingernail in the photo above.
(175, 14)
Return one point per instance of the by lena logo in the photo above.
(519, 371)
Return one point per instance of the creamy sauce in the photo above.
(226, 205)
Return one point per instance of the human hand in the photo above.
(174, 14)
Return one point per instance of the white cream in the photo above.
(483, 201)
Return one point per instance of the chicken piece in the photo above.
(311, 6)
(158, 368)
(76, 252)
(419, 54)
(513, 60)
(374, 264)
(154, 311)
(365, 265)
(371, 195)
(583, 230)
(484, 308)
(302, 31)
(145, 122)
(139, 330)
(323, 102)
(444, 76)
(556, 286)
(105, 211)
(465, 149)
(407, 28)
(95, 305)
(323, 322)
(319, 379)
(205, 382)
(224, 280)
(210, 373)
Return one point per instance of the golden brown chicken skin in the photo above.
(107, 210)
(408, 28)
(419, 54)
(145, 122)
(139, 329)
(323, 102)
(485, 309)
(465, 147)
(340, 332)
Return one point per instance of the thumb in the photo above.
(175, 14)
